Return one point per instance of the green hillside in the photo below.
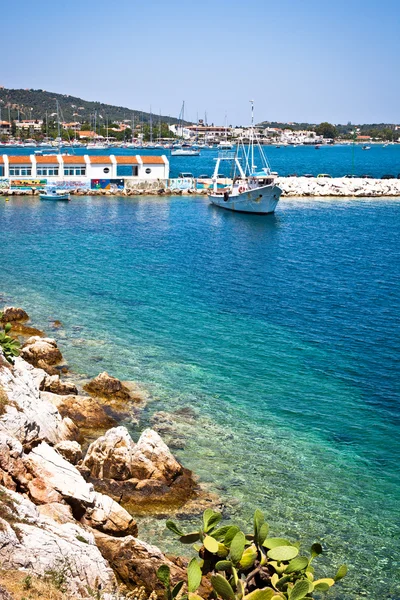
(35, 104)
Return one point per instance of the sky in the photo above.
(299, 60)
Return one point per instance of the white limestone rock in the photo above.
(115, 456)
(57, 474)
(40, 545)
(28, 417)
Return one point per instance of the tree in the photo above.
(13, 128)
(327, 130)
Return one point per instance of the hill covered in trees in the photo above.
(35, 103)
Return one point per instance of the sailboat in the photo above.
(184, 149)
(224, 144)
(251, 191)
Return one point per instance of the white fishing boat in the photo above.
(253, 190)
(225, 145)
(185, 150)
(54, 194)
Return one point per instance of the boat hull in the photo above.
(63, 198)
(185, 153)
(259, 201)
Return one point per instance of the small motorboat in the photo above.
(54, 194)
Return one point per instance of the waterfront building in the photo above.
(60, 168)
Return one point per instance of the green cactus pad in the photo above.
(281, 553)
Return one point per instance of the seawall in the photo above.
(291, 186)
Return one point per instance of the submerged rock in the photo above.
(86, 412)
(106, 386)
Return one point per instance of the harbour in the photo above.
(349, 170)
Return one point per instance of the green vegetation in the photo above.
(378, 131)
(327, 130)
(36, 103)
(246, 566)
(27, 582)
(8, 344)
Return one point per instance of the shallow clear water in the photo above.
(281, 332)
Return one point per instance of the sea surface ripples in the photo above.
(282, 333)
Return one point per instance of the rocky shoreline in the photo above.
(72, 479)
(291, 187)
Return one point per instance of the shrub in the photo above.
(246, 566)
(8, 344)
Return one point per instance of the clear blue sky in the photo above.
(300, 60)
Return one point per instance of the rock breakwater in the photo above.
(291, 187)
(338, 186)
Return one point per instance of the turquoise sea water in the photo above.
(338, 160)
(281, 332)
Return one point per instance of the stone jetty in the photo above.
(338, 186)
(291, 186)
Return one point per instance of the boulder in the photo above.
(152, 459)
(109, 457)
(13, 473)
(142, 477)
(41, 350)
(108, 516)
(86, 412)
(136, 562)
(70, 450)
(11, 313)
(115, 456)
(53, 383)
(55, 480)
(54, 476)
(106, 386)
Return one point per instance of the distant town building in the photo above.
(26, 124)
(83, 168)
(5, 128)
(74, 125)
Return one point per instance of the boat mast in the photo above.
(252, 136)
(151, 127)
(183, 116)
(58, 123)
(133, 125)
